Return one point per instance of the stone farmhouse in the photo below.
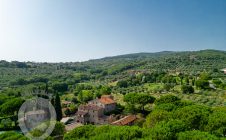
(93, 112)
(106, 102)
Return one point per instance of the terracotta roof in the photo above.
(106, 100)
(89, 107)
(126, 120)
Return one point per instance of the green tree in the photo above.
(58, 107)
(60, 87)
(105, 90)
(130, 109)
(168, 130)
(7, 123)
(155, 117)
(168, 86)
(205, 76)
(139, 98)
(217, 82)
(217, 123)
(80, 132)
(85, 95)
(59, 129)
(10, 135)
(187, 89)
(167, 107)
(202, 84)
(196, 116)
(122, 84)
(195, 135)
(167, 99)
(187, 81)
(11, 106)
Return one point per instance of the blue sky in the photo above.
(78, 30)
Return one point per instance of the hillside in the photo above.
(113, 68)
(157, 88)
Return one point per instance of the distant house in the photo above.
(224, 70)
(106, 102)
(127, 120)
(93, 112)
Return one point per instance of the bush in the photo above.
(104, 132)
(217, 123)
(167, 99)
(195, 135)
(202, 84)
(187, 89)
(155, 117)
(196, 116)
(12, 136)
(168, 130)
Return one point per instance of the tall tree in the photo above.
(139, 98)
(58, 108)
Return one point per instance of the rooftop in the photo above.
(126, 120)
(106, 100)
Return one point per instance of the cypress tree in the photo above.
(58, 108)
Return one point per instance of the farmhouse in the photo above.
(93, 112)
(106, 102)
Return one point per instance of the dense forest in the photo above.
(176, 95)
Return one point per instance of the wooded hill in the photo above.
(111, 68)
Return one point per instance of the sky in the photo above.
(79, 30)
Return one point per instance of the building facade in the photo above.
(93, 112)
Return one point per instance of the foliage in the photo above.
(141, 99)
(155, 117)
(103, 132)
(167, 99)
(85, 96)
(12, 136)
(202, 84)
(59, 129)
(60, 87)
(195, 135)
(168, 130)
(195, 116)
(58, 108)
(187, 89)
(11, 106)
(139, 77)
(217, 123)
